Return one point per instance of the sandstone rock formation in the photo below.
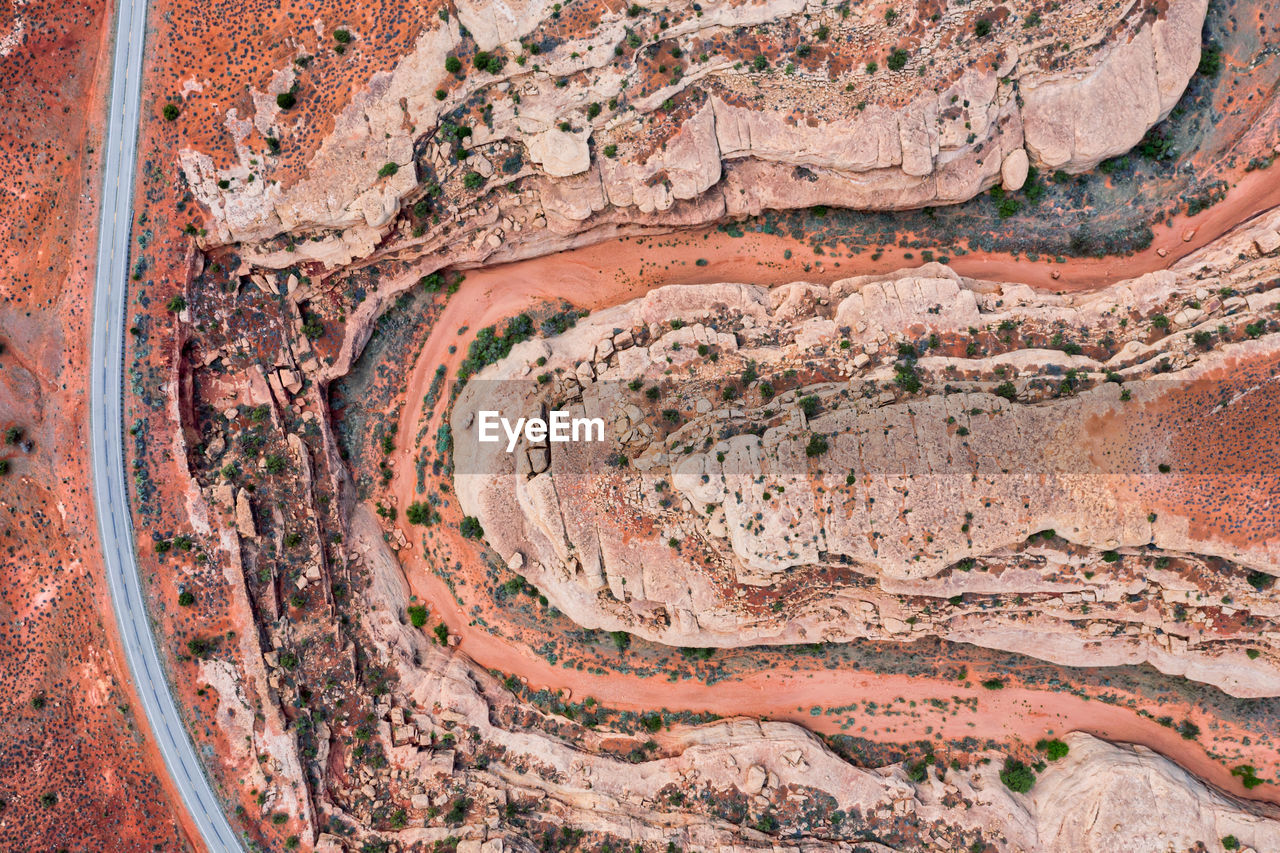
(1100, 797)
(669, 117)
(796, 465)
(1076, 120)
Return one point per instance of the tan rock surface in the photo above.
(1099, 797)
(1077, 120)
(717, 139)
(725, 506)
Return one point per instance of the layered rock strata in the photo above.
(798, 465)
(561, 124)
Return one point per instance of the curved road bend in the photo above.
(115, 526)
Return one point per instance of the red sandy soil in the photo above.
(759, 258)
(190, 37)
(591, 278)
(208, 54)
(78, 768)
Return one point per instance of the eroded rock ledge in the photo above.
(1100, 797)
(597, 117)
(909, 455)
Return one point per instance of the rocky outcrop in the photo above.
(1076, 120)
(588, 135)
(1104, 797)
(1099, 797)
(759, 440)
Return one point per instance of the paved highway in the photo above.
(115, 526)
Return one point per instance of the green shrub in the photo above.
(458, 810)
(906, 377)
(816, 447)
(485, 61)
(898, 59)
(417, 615)
(452, 64)
(1261, 581)
(1016, 776)
(470, 527)
(1053, 749)
(1248, 776)
(388, 169)
(1210, 60)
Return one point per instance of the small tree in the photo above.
(1016, 776)
(418, 615)
(286, 100)
(470, 527)
(171, 111)
(452, 64)
(186, 598)
(898, 59)
(176, 304)
(816, 447)
(1052, 749)
(342, 36)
